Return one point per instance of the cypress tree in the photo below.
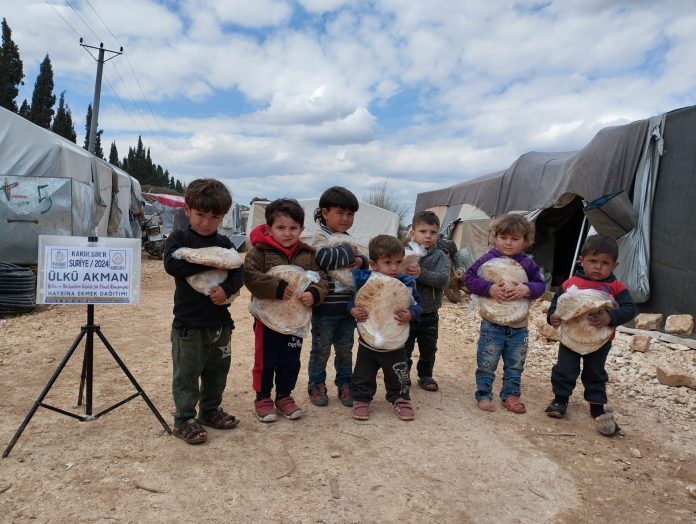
(24, 109)
(113, 155)
(98, 151)
(11, 69)
(62, 122)
(43, 99)
(178, 186)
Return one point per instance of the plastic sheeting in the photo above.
(634, 248)
(50, 185)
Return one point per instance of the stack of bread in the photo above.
(381, 296)
(217, 257)
(507, 272)
(574, 307)
(290, 317)
(343, 276)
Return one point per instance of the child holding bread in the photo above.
(202, 324)
(598, 258)
(505, 336)
(384, 303)
(277, 355)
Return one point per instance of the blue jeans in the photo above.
(328, 330)
(496, 341)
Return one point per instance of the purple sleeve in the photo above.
(474, 283)
(535, 282)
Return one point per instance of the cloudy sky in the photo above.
(287, 97)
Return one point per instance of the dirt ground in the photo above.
(454, 463)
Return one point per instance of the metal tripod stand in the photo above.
(86, 380)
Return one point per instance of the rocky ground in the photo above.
(454, 463)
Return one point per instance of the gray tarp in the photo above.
(539, 180)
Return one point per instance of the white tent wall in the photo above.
(53, 186)
(369, 222)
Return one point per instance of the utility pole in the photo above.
(94, 123)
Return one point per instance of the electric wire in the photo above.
(64, 19)
(164, 148)
(83, 20)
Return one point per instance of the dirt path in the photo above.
(452, 464)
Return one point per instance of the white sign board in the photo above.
(73, 270)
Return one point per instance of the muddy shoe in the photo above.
(345, 395)
(318, 396)
(606, 425)
(556, 409)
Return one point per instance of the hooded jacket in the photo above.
(267, 253)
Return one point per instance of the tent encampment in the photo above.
(652, 161)
(52, 186)
(369, 221)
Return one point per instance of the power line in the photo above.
(64, 20)
(83, 20)
(165, 147)
(102, 21)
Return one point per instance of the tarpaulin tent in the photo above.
(51, 186)
(652, 160)
(369, 221)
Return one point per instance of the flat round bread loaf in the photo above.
(290, 317)
(203, 281)
(381, 296)
(344, 275)
(574, 308)
(411, 258)
(505, 271)
(219, 257)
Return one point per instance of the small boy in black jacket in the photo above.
(202, 324)
(598, 259)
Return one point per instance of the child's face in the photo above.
(598, 266)
(425, 235)
(338, 219)
(285, 230)
(388, 265)
(204, 223)
(509, 244)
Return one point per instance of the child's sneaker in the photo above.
(557, 409)
(606, 425)
(318, 396)
(345, 395)
(361, 410)
(286, 406)
(403, 409)
(265, 411)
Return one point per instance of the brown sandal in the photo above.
(218, 419)
(191, 432)
(512, 403)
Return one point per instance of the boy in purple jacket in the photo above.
(511, 234)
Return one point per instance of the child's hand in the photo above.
(555, 320)
(599, 319)
(497, 291)
(217, 295)
(403, 315)
(359, 314)
(288, 293)
(307, 298)
(516, 291)
(413, 271)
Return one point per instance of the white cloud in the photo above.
(493, 81)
